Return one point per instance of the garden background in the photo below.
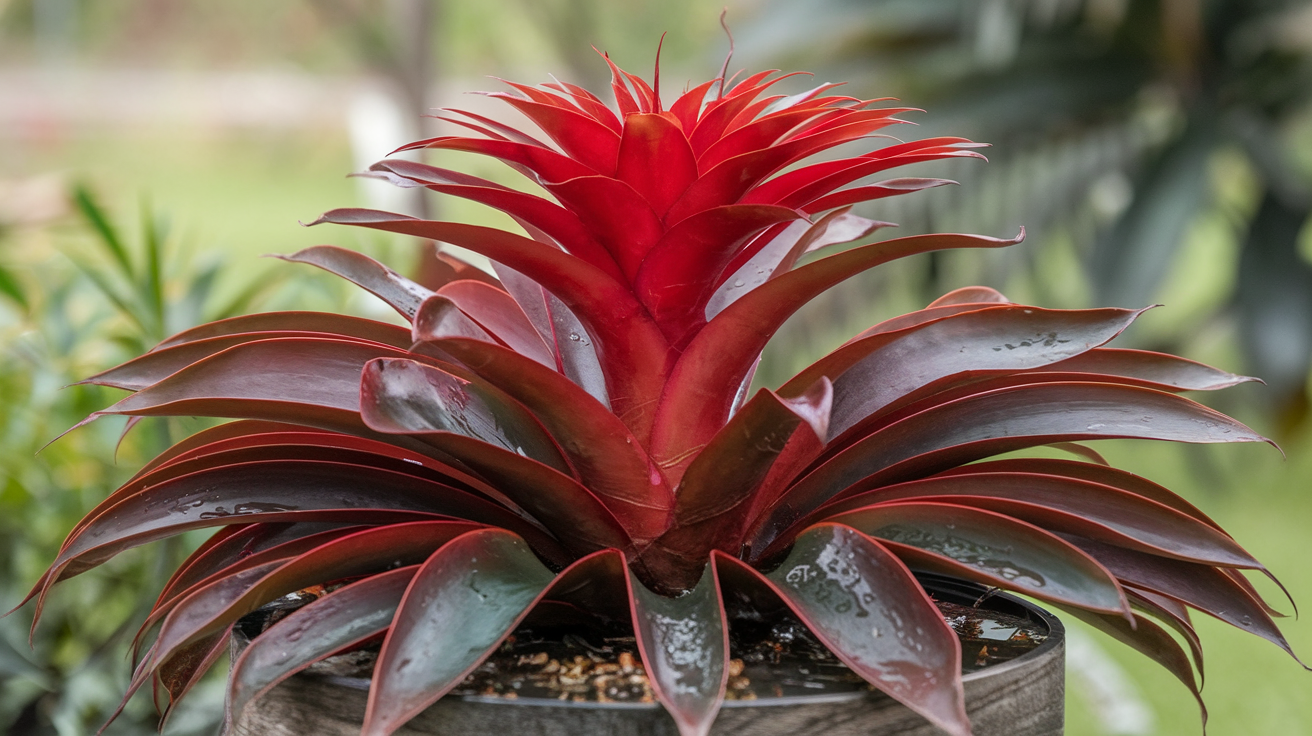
(1157, 151)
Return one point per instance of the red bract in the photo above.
(584, 418)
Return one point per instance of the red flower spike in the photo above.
(587, 407)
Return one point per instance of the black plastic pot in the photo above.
(1022, 697)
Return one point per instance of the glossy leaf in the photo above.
(722, 481)
(991, 423)
(1103, 475)
(270, 374)
(347, 616)
(159, 364)
(1159, 368)
(398, 292)
(498, 313)
(460, 604)
(324, 322)
(991, 548)
(366, 552)
(702, 384)
(277, 553)
(631, 343)
(655, 159)
(611, 463)
(1088, 509)
(1201, 586)
(1148, 639)
(868, 609)
(684, 643)
(417, 395)
(267, 492)
(390, 391)
(440, 317)
(873, 372)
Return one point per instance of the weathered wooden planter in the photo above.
(1022, 697)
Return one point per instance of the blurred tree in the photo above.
(1109, 116)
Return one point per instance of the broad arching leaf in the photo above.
(461, 603)
(349, 615)
(684, 642)
(866, 606)
(990, 548)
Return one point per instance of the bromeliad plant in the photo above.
(579, 428)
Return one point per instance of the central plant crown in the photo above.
(577, 427)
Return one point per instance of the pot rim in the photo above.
(942, 584)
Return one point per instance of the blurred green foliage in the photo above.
(107, 299)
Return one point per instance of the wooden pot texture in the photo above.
(1023, 697)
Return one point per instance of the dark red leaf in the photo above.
(464, 600)
(440, 317)
(364, 553)
(684, 643)
(338, 620)
(1148, 639)
(1174, 614)
(286, 491)
(406, 393)
(1158, 368)
(323, 322)
(873, 372)
(1107, 476)
(394, 394)
(181, 673)
(611, 463)
(782, 247)
(722, 480)
(994, 422)
(397, 291)
(178, 591)
(499, 314)
(1201, 586)
(868, 609)
(141, 372)
(1087, 509)
(567, 340)
(633, 351)
(991, 548)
